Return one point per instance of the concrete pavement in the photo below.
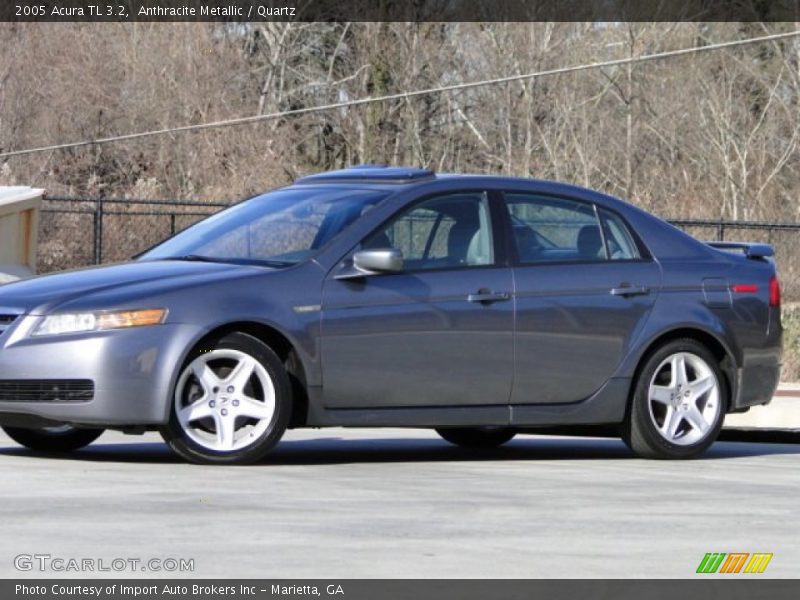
(402, 503)
(782, 413)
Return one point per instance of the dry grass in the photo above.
(791, 342)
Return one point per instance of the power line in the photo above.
(403, 95)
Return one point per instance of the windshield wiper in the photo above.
(234, 261)
(194, 258)
(262, 262)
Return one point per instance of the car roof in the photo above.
(379, 176)
(371, 174)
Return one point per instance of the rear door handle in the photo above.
(629, 290)
(484, 296)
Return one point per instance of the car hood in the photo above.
(43, 294)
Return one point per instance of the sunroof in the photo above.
(381, 173)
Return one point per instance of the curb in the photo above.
(760, 436)
(728, 434)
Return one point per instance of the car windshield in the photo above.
(280, 228)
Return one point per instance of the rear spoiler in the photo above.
(746, 248)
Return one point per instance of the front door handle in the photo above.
(485, 296)
(627, 290)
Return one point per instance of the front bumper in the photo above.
(133, 371)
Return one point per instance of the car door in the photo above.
(583, 289)
(437, 334)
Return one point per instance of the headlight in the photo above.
(99, 321)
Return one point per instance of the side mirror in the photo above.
(381, 260)
(368, 262)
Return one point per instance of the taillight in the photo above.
(774, 291)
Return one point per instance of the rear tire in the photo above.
(231, 404)
(63, 438)
(477, 437)
(678, 404)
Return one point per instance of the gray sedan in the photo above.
(376, 296)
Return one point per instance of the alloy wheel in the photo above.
(684, 399)
(224, 400)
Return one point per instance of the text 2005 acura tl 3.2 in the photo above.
(375, 296)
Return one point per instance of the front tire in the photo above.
(678, 404)
(231, 403)
(58, 438)
(477, 437)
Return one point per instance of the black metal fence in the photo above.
(784, 237)
(76, 232)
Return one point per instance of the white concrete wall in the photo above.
(19, 228)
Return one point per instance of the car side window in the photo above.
(618, 239)
(548, 229)
(443, 232)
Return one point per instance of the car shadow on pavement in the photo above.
(336, 450)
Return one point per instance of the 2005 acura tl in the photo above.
(378, 296)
